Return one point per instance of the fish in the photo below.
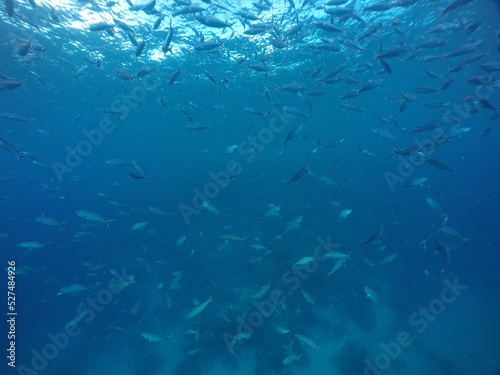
(73, 289)
(155, 338)
(180, 241)
(344, 213)
(337, 255)
(387, 259)
(297, 176)
(417, 181)
(368, 153)
(454, 4)
(452, 232)
(124, 75)
(211, 208)
(7, 146)
(140, 225)
(262, 291)
(445, 256)
(303, 261)
(33, 245)
(212, 21)
(143, 173)
(292, 134)
(50, 221)
(439, 165)
(392, 52)
(273, 211)
(374, 236)
(436, 229)
(90, 216)
(291, 358)
(434, 204)
(308, 297)
(293, 87)
(232, 237)
(159, 211)
(198, 309)
(16, 117)
(372, 296)
(207, 46)
(336, 266)
(168, 40)
(294, 224)
(174, 76)
(281, 329)
(255, 111)
(11, 84)
(305, 340)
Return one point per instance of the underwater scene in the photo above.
(269, 187)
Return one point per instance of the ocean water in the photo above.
(168, 263)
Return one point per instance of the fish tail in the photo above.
(109, 221)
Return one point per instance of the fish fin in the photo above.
(109, 221)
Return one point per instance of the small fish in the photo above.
(118, 163)
(159, 211)
(337, 255)
(445, 255)
(418, 181)
(436, 229)
(452, 232)
(439, 165)
(154, 338)
(372, 296)
(125, 75)
(303, 261)
(308, 297)
(273, 211)
(16, 117)
(281, 329)
(294, 224)
(143, 173)
(73, 289)
(42, 219)
(90, 216)
(308, 341)
(211, 208)
(291, 358)
(293, 87)
(180, 241)
(139, 225)
(434, 204)
(33, 245)
(232, 237)
(297, 176)
(387, 259)
(198, 309)
(339, 263)
(262, 291)
(344, 213)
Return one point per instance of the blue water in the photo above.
(431, 316)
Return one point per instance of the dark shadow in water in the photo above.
(443, 366)
(351, 358)
(147, 362)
